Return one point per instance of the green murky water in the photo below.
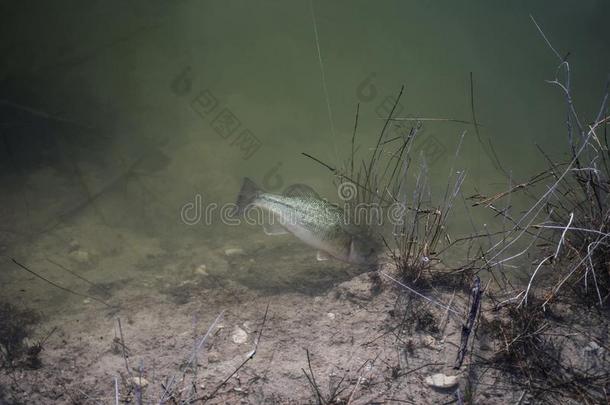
(116, 116)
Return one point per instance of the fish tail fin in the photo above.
(248, 193)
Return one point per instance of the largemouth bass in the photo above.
(318, 223)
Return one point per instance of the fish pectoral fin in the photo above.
(322, 256)
(274, 228)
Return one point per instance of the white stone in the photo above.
(592, 347)
(330, 315)
(140, 382)
(81, 256)
(202, 270)
(74, 245)
(248, 327)
(234, 252)
(239, 335)
(430, 342)
(442, 381)
(213, 357)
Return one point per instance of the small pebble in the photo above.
(442, 381)
(81, 256)
(330, 315)
(202, 270)
(140, 382)
(74, 245)
(248, 327)
(239, 335)
(213, 357)
(430, 342)
(234, 252)
(592, 347)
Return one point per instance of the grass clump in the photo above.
(16, 328)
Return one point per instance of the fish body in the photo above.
(318, 223)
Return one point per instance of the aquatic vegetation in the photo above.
(547, 335)
(550, 361)
(389, 191)
(16, 329)
(570, 219)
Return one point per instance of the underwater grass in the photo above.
(541, 328)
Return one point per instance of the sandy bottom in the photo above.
(367, 340)
(360, 351)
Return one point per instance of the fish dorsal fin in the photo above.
(248, 194)
(322, 256)
(300, 190)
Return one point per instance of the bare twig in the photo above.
(59, 286)
(475, 304)
(312, 379)
(248, 358)
(123, 347)
(116, 391)
(421, 295)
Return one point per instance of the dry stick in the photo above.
(193, 359)
(351, 397)
(499, 195)
(337, 390)
(413, 370)
(467, 327)
(429, 119)
(204, 338)
(250, 357)
(572, 113)
(166, 389)
(139, 385)
(71, 272)
(43, 341)
(83, 393)
(59, 286)
(589, 253)
(458, 396)
(337, 173)
(495, 159)
(529, 285)
(446, 315)
(123, 347)
(563, 234)
(485, 200)
(312, 380)
(351, 173)
(381, 135)
(116, 391)
(332, 169)
(539, 204)
(323, 77)
(560, 284)
(420, 294)
(43, 114)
